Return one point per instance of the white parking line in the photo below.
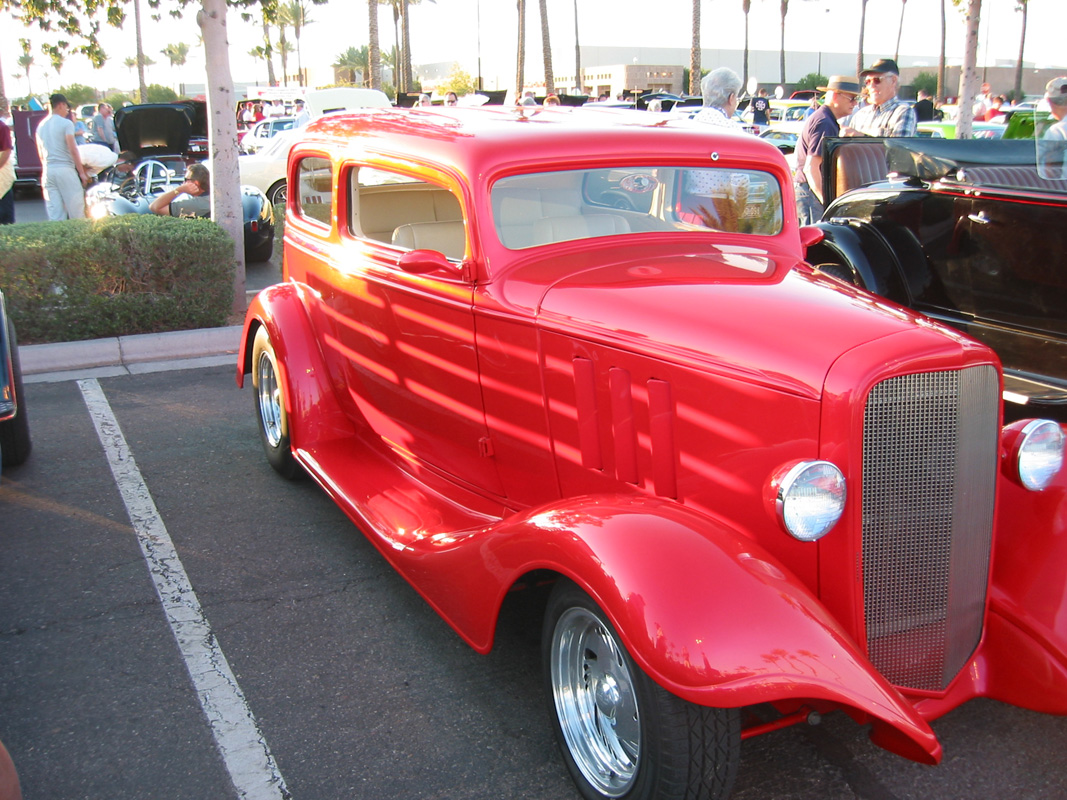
(244, 751)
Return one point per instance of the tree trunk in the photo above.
(375, 55)
(1017, 95)
(969, 73)
(785, 10)
(746, 6)
(546, 48)
(694, 52)
(222, 132)
(941, 62)
(900, 29)
(579, 82)
(520, 79)
(142, 87)
(268, 50)
(283, 47)
(405, 31)
(863, 24)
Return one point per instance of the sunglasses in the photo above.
(875, 80)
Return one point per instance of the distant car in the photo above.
(967, 232)
(715, 477)
(15, 442)
(262, 132)
(161, 137)
(265, 169)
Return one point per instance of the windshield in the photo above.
(547, 207)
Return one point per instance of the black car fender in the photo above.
(857, 252)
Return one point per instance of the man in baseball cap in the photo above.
(1052, 146)
(841, 96)
(64, 174)
(885, 114)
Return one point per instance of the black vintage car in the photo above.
(967, 232)
(165, 138)
(15, 441)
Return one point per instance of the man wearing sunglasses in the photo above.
(886, 114)
(841, 95)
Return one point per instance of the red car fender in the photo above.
(313, 411)
(705, 611)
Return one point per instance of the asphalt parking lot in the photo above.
(342, 682)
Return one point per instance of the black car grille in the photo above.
(929, 475)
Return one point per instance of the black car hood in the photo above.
(156, 129)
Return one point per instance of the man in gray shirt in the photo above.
(104, 127)
(64, 174)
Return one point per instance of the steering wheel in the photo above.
(150, 175)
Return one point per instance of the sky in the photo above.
(462, 30)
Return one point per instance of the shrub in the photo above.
(83, 279)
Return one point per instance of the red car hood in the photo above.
(733, 312)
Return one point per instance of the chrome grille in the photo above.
(929, 473)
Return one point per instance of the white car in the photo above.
(257, 137)
(265, 169)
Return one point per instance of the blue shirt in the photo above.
(818, 126)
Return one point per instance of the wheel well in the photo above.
(523, 609)
(253, 328)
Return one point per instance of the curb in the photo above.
(126, 355)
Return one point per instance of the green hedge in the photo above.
(83, 279)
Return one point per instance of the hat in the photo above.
(1056, 89)
(881, 66)
(58, 98)
(840, 83)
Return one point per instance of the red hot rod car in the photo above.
(746, 482)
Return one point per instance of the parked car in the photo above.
(738, 480)
(160, 136)
(969, 233)
(265, 169)
(15, 441)
(262, 132)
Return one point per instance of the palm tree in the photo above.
(863, 24)
(142, 86)
(296, 12)
(694, 52)
(1017, 94)
(785, 10)
(282, 21)
(578, 82)
(269, 13)
(969, 72)
(176, 53)
(26, 61)
(520, 79)
(900, 29)
(259, 52)
(546, 47)
(941, 60)
(353, 59)
(405, 46)
(375, 52)
(746, 6)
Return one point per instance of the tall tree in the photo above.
(405, 47)
(352, 60)
(546, 50)
(283, 22)
(863, 24)
(520, 77)
(299, 18)
(26, 61)
(142, 86)
(941, 60)
(1017, 94)
(785, 10)
(969, 72)
(269, 14)
(375, 51)
(746, 6)
(694, 51)
(900, 29)
(579, 82)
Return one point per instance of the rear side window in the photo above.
(314, 196)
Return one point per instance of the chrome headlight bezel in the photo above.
(1038, 453)
(809, 498)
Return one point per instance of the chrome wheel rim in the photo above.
(268, 394)
(595, 702)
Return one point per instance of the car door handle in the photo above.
(979, 219)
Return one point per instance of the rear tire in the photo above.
(621, 735)
(15, 442)
(271, 413)
(276, 194)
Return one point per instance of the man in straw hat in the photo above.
(887, 114)
(841, 96)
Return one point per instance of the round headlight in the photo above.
(1040, 454)
(810, 499)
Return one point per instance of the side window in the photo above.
(314, 198)
(407, 212)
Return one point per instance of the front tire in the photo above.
(271, 414)
(621, 735)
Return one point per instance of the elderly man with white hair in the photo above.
(1052, 146)
(721, 89)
